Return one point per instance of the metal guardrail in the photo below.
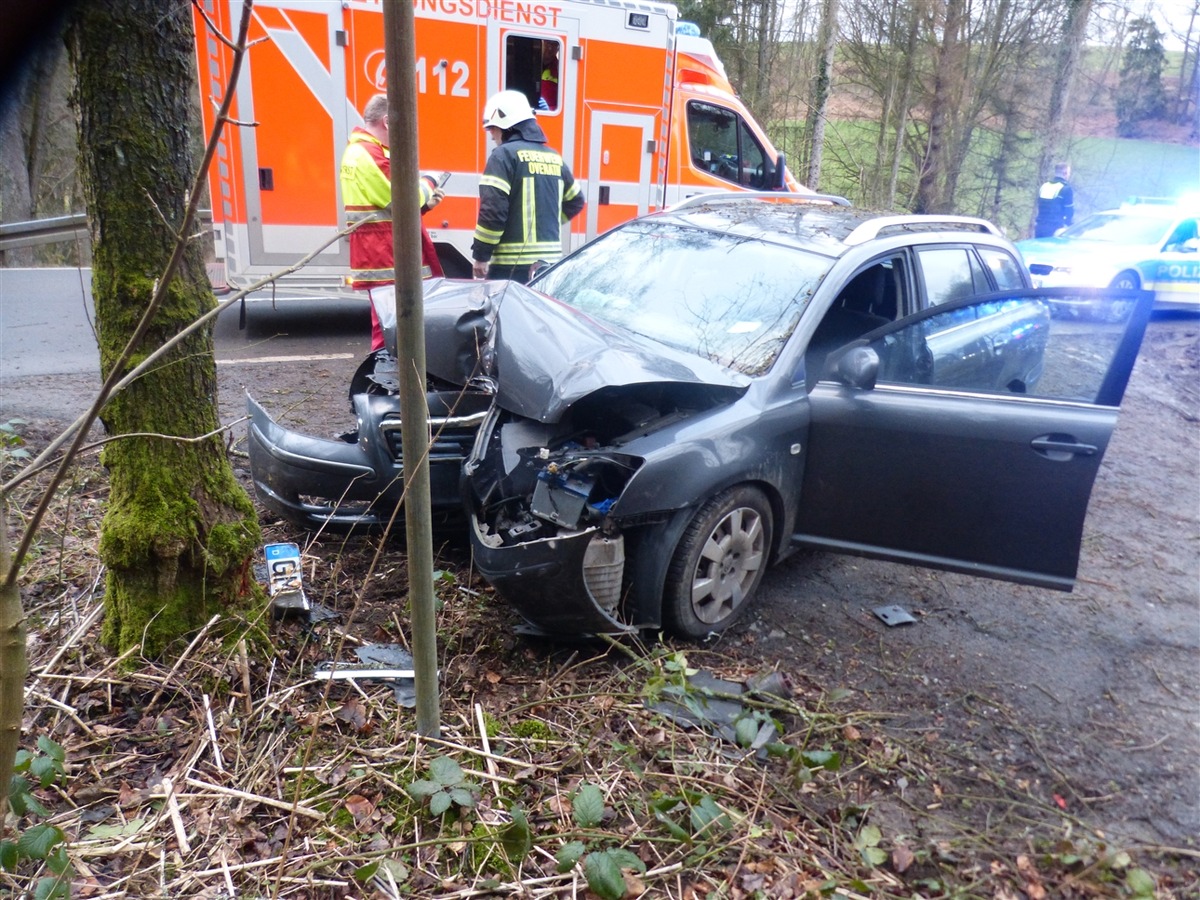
(41, 231)
(51, 231)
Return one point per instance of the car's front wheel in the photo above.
(718, 563)
(1118, 310)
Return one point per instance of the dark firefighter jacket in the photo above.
(525, 193)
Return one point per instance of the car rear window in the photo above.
(731, 300)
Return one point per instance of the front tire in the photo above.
(1119, 310)
(718, 563)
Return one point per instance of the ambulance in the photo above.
(637, 103)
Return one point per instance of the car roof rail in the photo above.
(701, 199)
(870, 229)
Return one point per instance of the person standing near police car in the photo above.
(1055, 203)
(367, 193)
(525, 193)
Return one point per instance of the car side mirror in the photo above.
(780, 173)
(857, 367)
(1192, 245)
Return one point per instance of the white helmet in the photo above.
(506, 109)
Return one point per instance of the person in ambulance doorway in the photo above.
(525, 193)
(367, 193)
(1055, 203)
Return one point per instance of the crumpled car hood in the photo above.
(548, 356)
(543, 355)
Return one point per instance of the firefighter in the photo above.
(367, 192)
(526, 191)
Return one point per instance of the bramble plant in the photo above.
(601, 867)
(39, 842)
(447, 786)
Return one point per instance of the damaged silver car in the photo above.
(697, 393)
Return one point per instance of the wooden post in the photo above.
(399, 44)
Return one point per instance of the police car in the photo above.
(1146, 244)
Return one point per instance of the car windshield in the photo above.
(731, 300)
(1114, 228)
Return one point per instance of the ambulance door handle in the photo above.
(266, 179)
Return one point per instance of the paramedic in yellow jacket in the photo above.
(367, 193)
(525, 194)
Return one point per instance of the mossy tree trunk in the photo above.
(179, 531)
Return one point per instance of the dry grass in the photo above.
(230, 771)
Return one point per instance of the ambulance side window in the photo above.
(531, 67)
(722, 144)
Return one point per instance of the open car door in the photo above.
(967, 437)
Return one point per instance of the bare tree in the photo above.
(822, 87)
(1070, 45)
(37, 163)
(179, 531)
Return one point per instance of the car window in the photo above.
(1007, 346)
(1005, 270)
(1181, 235)
(732, 300)
(951, 273)
(723, 145)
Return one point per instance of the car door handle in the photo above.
(1062, 447)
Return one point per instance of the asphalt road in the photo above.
(49, 363)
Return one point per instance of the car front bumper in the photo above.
(358, 483)
(569, 584)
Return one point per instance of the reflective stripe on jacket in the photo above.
(525, 193)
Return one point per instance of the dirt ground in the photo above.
(1080, 707)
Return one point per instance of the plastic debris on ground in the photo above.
(381, 662)
(711, 704)
(891, 616)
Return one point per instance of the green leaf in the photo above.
(830, 760)
(45, 770)
(446, 771)
(569, 854)
(516, 838)
(398, 870)
(745, 731)
(123, 830)
(439, 803)
(58, 862)
(52, 889)
(37, 842)
(604, 875)
(588, 806)
(9, 856)
(673, 828)
(21, 762)
(363, 874)
(422, 789)
(1140, 884)
(463, 797)
(52, 750)
(707, 816)
(627, 859)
